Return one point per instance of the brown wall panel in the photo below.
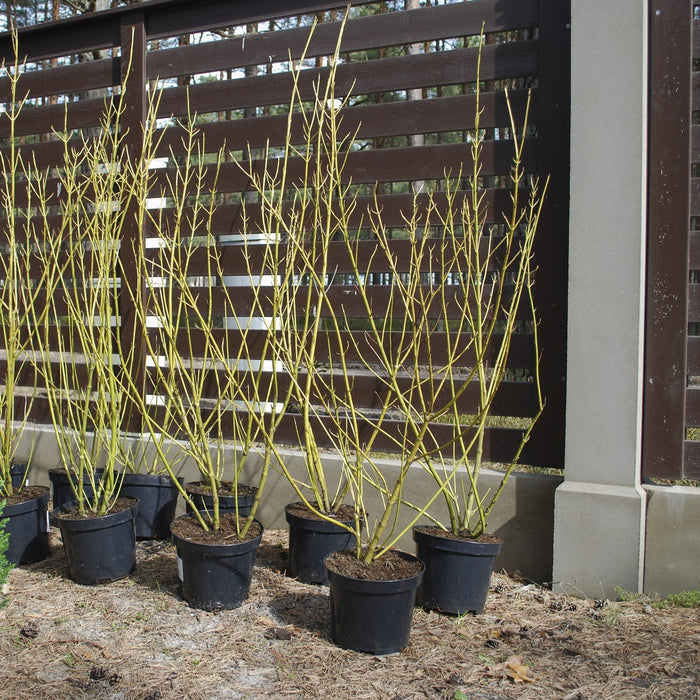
(670, 302)
(537, 55)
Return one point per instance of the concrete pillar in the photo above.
(600, 508)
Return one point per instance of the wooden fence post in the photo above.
(552, 242)
(133, 76)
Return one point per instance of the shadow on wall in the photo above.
(528, 534)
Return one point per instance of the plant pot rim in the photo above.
(147, 479)
(319, 524)
(452, 543)
(218, 549)
(91, 523)
(375, 586)
(56, 473)
(32, 503)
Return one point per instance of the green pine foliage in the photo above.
(5, 566)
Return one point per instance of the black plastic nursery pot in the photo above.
(215, 576)
(157, 496)
(28, 527)
(311, 540)
(457, 571)
(99, 549)
(60, 485)
(227, 502)
(372, 616)
(20, 475)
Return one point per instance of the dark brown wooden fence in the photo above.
(231, 60)
(672, 388)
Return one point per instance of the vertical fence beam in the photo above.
(552, 242)
(133, 76)
(669, 223)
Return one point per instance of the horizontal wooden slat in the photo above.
(89, 263)
(40, 412)
(696, 91)
(354, 344)
(693, 356)
(79, 114)
(692, 406)
(381, 165)
(513, 399)
(371, 32)
(695, 139)
(76, 77)
(59, 304)
(691, 460)
(694, 250)
(500, 444)
(40, 155)
(50, 334)
(695, 196)
(370, 258)
(37, 410)
(345, 299)
(27, 376)
(693, 303)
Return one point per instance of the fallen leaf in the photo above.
(516, 670)
(283, 633)
(512, 668)
(83, 652)
(265, 621)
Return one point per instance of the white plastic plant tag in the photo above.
(179, 568)
(48, 521)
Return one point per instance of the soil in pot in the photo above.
(101, 548)
(157, 496)
(28, 525)
(216, 567)
(312, 539)
(372, 604)
(457, 570)
(244, 496)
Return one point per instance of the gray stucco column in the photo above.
(600, 507)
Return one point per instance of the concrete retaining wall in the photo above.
(672, 560)
(523, 516)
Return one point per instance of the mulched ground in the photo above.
(137, 639)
